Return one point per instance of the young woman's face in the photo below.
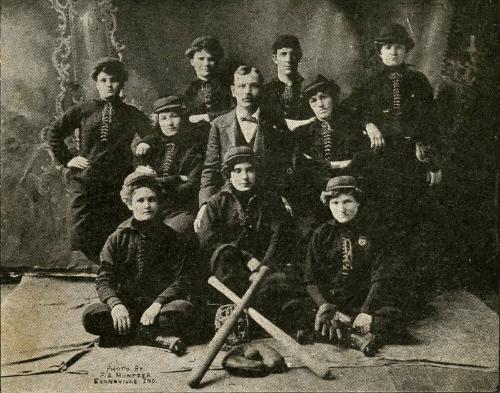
(204, 64)
(393, 54)
(287, 60)
(170, 122)
(144, 204)
(322, 105)
(344, 207)
(108, 86)
(243, 176)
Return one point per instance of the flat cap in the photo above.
(394, 34)
(321, 83)
(112, 64)
(165, 104)
(341, 182)
(208, 43)
(142, 175)
(236, 155)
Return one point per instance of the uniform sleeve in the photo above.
(277, 239)
(61, 129)
(106, 278)
(312, 260)
(209, 234)
(211, 177)
(179, 288)
(188, 188)
(142, 125)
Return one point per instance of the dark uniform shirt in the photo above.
(143, 260)
(256, 226)
(400, 102)
(283, 99)
(212, 97)
(172, 157)
(344, 262)
(110, 156)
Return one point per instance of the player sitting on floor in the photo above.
(244, 226)
(141, 282)
(347, 276)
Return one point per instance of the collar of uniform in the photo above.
(229, 189)
(297, 80)
(133, 224)
(115, 101)
(256, 114)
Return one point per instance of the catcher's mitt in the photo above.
(253, 360)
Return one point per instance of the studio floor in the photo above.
(45, 349)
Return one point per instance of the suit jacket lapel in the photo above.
(232, 129)
(260, 137)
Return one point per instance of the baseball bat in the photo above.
(317, 366)
(215, 345)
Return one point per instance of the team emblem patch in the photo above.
(363, 241)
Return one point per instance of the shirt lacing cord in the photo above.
(107, 115)
(396, 91)
(327, 139)
(169, 160)
(287, 97)
(346, 256)
(206, 94)
(141, 255)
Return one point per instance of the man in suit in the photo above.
(247, 125)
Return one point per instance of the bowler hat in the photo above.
(394, 34)
(207, 42)
(236, 155)
(112, 64)
(321, 83)
(165, 104)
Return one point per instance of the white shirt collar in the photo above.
(256, 114)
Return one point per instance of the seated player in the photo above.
(177, 157)
(208, 96)
(396, 106)
(323, 149)
(142, 282)
(245, 227)
(346, 275)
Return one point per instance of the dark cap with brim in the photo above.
(141, 176)
(394, 34)
(338, 184)
(237, 155)
(109, 62)
(321, 83)
(169, 103)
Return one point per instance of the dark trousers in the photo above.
(175, 319)
(95, 213)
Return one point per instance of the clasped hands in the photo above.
(121, 317)
(328, 321)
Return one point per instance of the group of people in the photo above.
(225, 179)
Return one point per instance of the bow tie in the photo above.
(250, 119)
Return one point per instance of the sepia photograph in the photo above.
(250, 196)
